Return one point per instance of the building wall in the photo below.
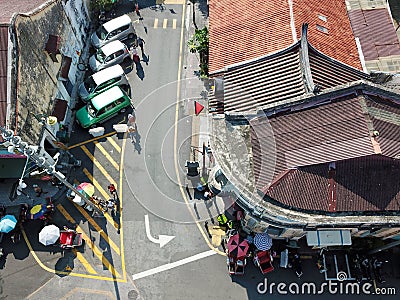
(38, 79)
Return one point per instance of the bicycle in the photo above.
(160, 7)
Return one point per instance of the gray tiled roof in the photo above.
(284, 75)
(340, 131)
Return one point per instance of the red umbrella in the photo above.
(237, 246)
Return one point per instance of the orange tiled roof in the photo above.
(252, 28)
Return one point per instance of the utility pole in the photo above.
(42, 162)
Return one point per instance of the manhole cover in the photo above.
(132, 294)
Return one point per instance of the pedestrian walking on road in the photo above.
(113, 191)
(140, 42)
(131, 124)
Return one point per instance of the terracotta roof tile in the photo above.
(8, 8)
(361, 184)
(252, 28)
(279, 76)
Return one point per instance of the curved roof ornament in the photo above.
(304, 60)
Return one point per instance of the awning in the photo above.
(321, 238)
(60, 108)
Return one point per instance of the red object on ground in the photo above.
(198, 108)
(137, 8)
(237, 247)
(263, 259)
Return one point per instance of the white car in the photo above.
(110, 54)
(120, 28)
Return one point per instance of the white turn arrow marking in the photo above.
(162, 239)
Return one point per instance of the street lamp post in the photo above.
(42, 162)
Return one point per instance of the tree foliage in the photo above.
(102, 4)
(199, 44)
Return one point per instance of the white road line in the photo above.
(173, 265)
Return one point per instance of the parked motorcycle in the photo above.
(377, 269)
(366, 268)
(295, 263)
(357, 270)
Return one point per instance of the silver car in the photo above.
(110, 54)
(119, 28)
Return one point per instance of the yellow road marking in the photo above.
(44, 267)
(174, 2)
(98, 228)
(112, 142)
(103, 193)
(90, 243)
(105, 153)
(98, 165)
(183, 192)
(91, 140)
(164, 25)
(120, 208)
(77, 292)
(96, 184)
(174, 24)
(84, 262)
(155, 23)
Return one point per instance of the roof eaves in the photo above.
(304, 60)
(254, 60)
(329, 94)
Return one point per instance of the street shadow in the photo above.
(65, 264)
(145, 59)
(139, 70)
(135, 136)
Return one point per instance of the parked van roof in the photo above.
(112, 47)
(107, 97)
(117, 22)
(107, 74)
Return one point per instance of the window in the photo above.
(322, 18)
(322, 28)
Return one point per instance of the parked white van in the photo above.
(119, 28)
(101, 81)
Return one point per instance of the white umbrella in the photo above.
(49, 235)
(262, 241)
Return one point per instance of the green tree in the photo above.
(199, 44)
(98, 5)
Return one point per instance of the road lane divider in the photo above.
(91, 140)
(96, 184)
(155, 23)
(172, 265)
(173, 23)
(164, 25)
(89, 242)
(84, 262)
(104, 194)
(98, 165)
(98, 228)
(114, 144)
(105, 153)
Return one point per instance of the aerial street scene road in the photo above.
(199, 149)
